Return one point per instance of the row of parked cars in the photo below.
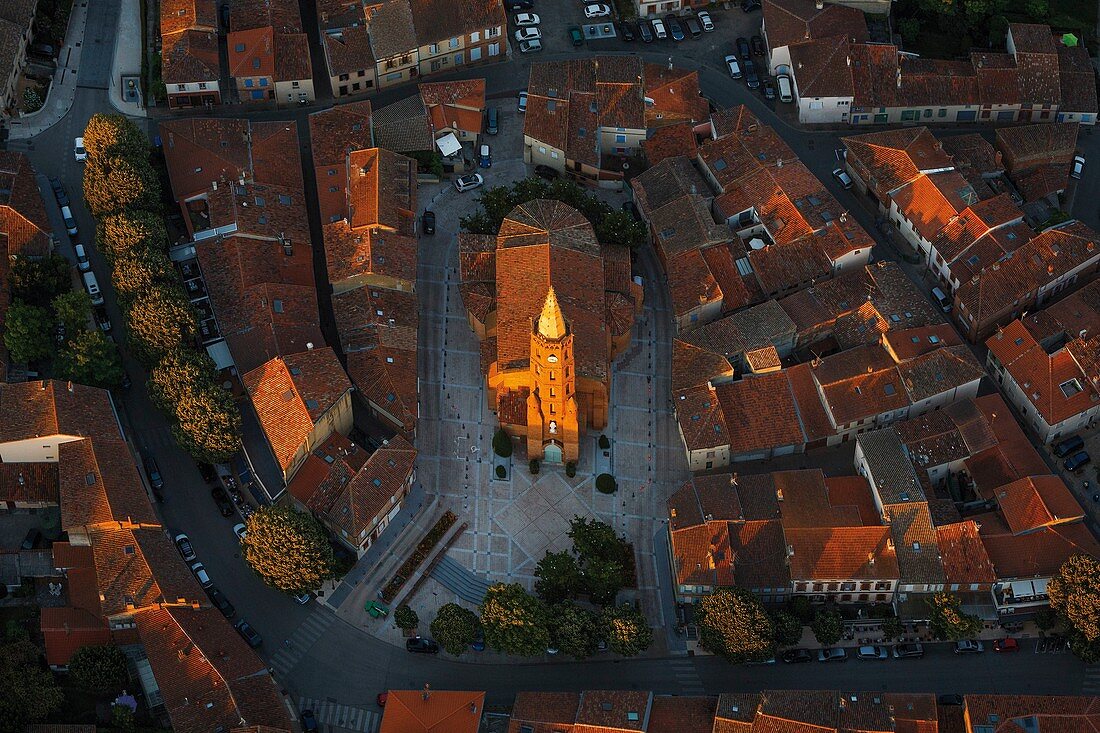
(1072, 449)
(187, 550)
(898, 651)
(741, 65)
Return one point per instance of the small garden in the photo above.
(420, 554)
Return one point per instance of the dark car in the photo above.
(645, 30)
(908, 651)
(747, 6)
(32, 539)
(674, 28)
(308, 721)
(743, 49)
(1069, 445)
(225, 506)
(576, 37)
(153, 471)
(545, 171)
(797, 656)
(769, 89)
(221, 602)
(102, 319)
(1076, 461)
(427, 221)
(626, 31)
(757, 44)
(59, 192)
(248, 633)
(208, 473)
(43, 49)
(420, 645)
(478, 644)
(519, 4)
(752, 79)
(693, 26)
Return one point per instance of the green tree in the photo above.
(29, 691)
(1085, 650)
(947, 620)
(733, 624)
(828, 627)
(99, 669)
(622, 229)
(455, 628)
(787, 629)
(207, 422)
(405, 617)
(909, 28)
(557, 577)
(502, 444)
(38, 282)
(605, 484)
(514, 622)
(90, 358)
(143, 272)
(1046, 619)
(601, 556)
(626, 630)
(801, 608)
(574, 630)
(159, 321)
(288, 549)
(892, 628)
(122, 719)
(72, 309)
(114, 135)
(28, 332)
(594, 540)
(1075, 595)
(131, 235)
(113, 184)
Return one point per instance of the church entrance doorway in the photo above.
(551, 453)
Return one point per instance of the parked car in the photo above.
(478, 644)
(797, 656)
(693, 26)
(747, 6)
(153, 472)
(834, 654)
(70, 222)
(32, 539)
(102, 320)
(221, 602)
(733, 66)
(308, 721)
(208, 473)
(872, 652)
(757, 44)
(674, 28)
(842, 177)
(526, 19)
(532, 46)
(769, 89)
(427, 221)
(248, 633)
(645, 30)
(528, 33)
(659, 29)
(908, 651)
(1069, 445)
(626, 31)
(968, 646)
(59, 192)
(546, 172)
(576, 37)
(492, 118)
(760, 662)
(201, 575)
(466, 183)
(420, 645)
(484, 156)
(240, 530)
(225, 506)
(183, 544)
(1078, 167)
(744, 51)
(752, 79)
(522, 104)
(79, 151)
(597, 10)
(1077, 461)
(81, 258)
(514, 5)
(786, 89)
(705, 21)
(1008, 644)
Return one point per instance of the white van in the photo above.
(70, 222)
(659, 29)
(92, 286)
(943, 300)
(82, 258)
(786, 91)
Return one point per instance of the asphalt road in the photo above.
(347, 665)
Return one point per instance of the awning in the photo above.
(448, 145)
(219, 352)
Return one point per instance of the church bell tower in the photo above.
(552, 423)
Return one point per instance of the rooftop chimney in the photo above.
(427, 693)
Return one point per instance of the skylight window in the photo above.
(311, 404)
(972, 260)
(889, 389)
(933, 339)
(719, 165)
(239, 48)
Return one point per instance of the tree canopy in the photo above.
(29, 691)
(602, 556)
(626, 630)
(288, 548)
(1075, 595)
(114, 183)
(99, 669)
(207, 423)
(786, 628)
(557, 577)
(90, 358)
(72, 310)
(455, 628)
(39, 281)
(131, 235)
(734, 624)
(574, 630)
(828, 626)
(159, 320)
(947, 620)
(114, 135)
(28, 332)
(514, 622)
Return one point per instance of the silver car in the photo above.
(466, 183)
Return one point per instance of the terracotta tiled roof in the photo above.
(292, 57)
(998, 78)
(544, 707)
(385, 375)
(292, 394)
(792, 21)
(251, 52)
(706, 498)
(675, 94)
(403, 126)
(735, 712)
(177, 15)
(670, 141)
(189, 56)
(412, 711)
(1030, 145)
(66, 629)
(198, 151)
(611, 708)
(916, 544)
(811, 413)
(1076, 77)
(781, 268)
(51, 407)
(336, 459)
(836, 553)
(459, 104)
(23, 221)
(699, 413)
(963, 554)
(939, 371)
(665, 182)
(335, 132)
(391, 29)
(821, 67)
(139, 568)
(889, 467)
(974, 222)
(1037, 501)
(972, 152)
(765, 324)
(683, 714)
(382, 190)
(99, 484)
(348, 51)
(760, 413)
(1035, 554)
(888, 159)
(35, 483)
(806, 501)
(930, 201)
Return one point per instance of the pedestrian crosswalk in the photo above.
(1092, 680)
(333, 717)
(687, 677)
(294, 648)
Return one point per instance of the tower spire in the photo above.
(551, 323)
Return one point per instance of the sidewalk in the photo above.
(127, 60)
(63, 89)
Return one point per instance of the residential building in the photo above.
(587, 117)
(354, 495)
(368, 211)
(16, 29)
(1048, 365)
(553, 307)
(300, 400)
(371, 46)
(456, 107)
(787, 23)
(428, 711)
(269, 53)
(190, 62)
(1038, 158)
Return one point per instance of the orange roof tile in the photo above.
(760, 413)
(682, 714)
(251, 52)
(842, 553)
(99, 484)
(67, 629)
(437, 711)
(1037, 501)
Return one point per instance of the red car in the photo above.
(1006, 645)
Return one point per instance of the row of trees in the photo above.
(959, 25)
(611, 226)
(122, 190)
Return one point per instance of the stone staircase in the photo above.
(456, 578)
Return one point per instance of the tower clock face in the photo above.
(552, 359)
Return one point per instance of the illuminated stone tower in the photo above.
(552, 424)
